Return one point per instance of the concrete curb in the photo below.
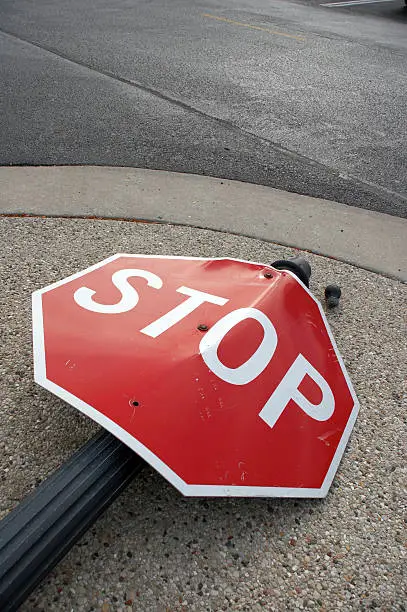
(370, 240)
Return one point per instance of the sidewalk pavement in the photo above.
(154, 550)
(371, 240)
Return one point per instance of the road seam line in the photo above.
(354, 2)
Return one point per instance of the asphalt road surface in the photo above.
(299, 96)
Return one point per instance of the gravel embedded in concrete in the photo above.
(154, 550)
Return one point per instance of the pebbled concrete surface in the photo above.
(156, 551)
(319, 112)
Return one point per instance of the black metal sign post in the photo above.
(45, 525)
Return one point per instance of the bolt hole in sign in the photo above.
(222, 374)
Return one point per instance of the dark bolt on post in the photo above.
(332, 295)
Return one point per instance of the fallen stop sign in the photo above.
(222, 374)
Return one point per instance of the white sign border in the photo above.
(186, 489)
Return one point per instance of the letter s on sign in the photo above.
(84, 296)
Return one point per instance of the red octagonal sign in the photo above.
(222, 374)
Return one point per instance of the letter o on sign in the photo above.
(250, 369)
